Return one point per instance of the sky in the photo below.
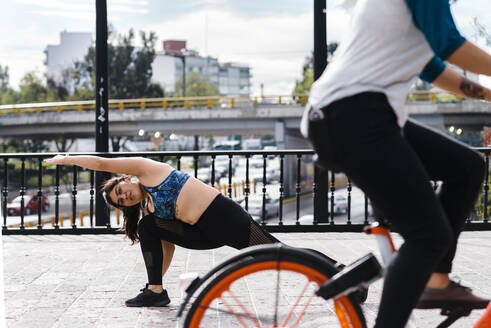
(273, 37)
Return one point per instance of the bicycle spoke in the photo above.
(303, 310)
(233, 313)
(295, 305)
(277, 294)
(258, 324)
(238, 315)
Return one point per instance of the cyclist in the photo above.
(358, 124)
(178, 209)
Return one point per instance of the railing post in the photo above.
(74, 197)
(263, 212)
(349, 202)
(247, 184)
(40, 191)
(91, 201)
(57, 196)
(282, 188)
(298, 189)
(333, 188)
(22, 192)
(5, 192)
(486, 190)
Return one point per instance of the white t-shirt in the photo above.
(389, 43)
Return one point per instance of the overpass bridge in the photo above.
(278, 115)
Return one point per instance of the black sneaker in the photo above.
(149, 298)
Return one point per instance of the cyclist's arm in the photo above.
(472, 58)
(452, 81)
(168, 252)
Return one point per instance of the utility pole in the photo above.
(321, 188)
(101, 107)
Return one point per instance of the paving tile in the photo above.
(83, 281)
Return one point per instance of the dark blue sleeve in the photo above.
(431, 71)
(434, 19)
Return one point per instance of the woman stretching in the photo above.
(177, 208)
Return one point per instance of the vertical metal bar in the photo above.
(213, 170)
(229, 190)
(195, 165)
(263, 212)
(40, 191)
(57, 197)
(22, 192)
(247, 184)
(320, 39)
(315, 187)
(74, 197)
(349, 202)
(366, 209)
(179, 162)
(5, 192)
(333, 188)
(282, 188)
(91, 200)
(298, 189)
(101, 108)
(486, 191)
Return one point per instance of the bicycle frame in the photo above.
(388, 251)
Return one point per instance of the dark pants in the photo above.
(224, 223)
(359, 135)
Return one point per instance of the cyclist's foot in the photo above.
(453, 295)
(149, 298)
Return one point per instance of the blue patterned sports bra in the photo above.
(164, 196)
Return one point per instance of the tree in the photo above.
(4, 78)
(482, 31)
(303, 85)
(196, 86)
(129, 69)
(32, 89)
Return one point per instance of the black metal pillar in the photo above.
(183, 58)
(101, 104)
(321, 211)
(196, 142)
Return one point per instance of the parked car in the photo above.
(255, 206)
(204, 174)
(272, 175)
(30, 205)
(340, 204)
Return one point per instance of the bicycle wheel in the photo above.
(272, 291)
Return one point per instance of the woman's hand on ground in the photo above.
(58, 159)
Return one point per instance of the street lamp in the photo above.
(182, 55)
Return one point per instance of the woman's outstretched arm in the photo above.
(137, 166)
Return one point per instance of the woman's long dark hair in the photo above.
(131, 214)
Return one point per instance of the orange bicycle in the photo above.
(281, 286)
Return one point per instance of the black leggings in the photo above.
(224, 223)
(359, 135)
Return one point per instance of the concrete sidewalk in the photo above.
(83, 281)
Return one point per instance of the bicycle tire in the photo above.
(347, 310)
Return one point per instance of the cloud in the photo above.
(274, 46)
(67, 14)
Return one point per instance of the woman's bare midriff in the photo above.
(193, 200)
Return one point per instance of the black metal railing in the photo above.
(276, 187)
